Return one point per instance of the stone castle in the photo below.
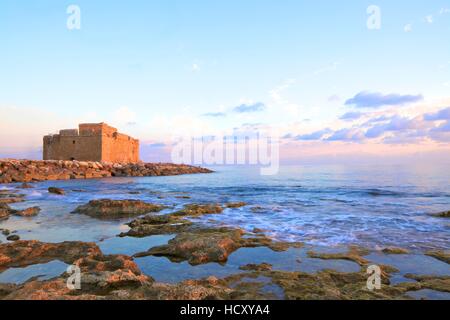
(91, 142)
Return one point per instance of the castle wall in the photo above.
(92, 142)
(120, 148)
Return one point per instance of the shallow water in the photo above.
(41, 272)
(327, 207)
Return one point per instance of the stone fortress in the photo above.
(91, 142)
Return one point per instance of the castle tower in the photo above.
(91, 142)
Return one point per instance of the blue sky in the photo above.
(150, 67)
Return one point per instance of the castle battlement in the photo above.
(91, 142)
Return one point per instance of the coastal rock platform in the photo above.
(34, 170)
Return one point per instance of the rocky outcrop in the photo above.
(394, 250)
(196, 210)
(445, 214)
(31, 170)
(57, 191)
(234, 205)
(440, 255)
(354, 254)
(10, 196)
(208, 245)
(113, 209)
(24, 253)
(6, 211)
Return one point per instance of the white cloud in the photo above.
(195, 67)
(444, 11)
(124, 116)
(429, 19)
(408, 27)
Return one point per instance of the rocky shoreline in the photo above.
(12, 170)
(118, 277)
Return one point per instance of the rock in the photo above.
(112, 277)
(28, 171)
(112, 209)
(13, 237)
(24, 253)
(25, 186)
(353, 254)
(394, 250)
(195, 210)
(257, 267)
(57, 191)
(433, 282)
(257, 209)
(7, 197)
(5, 232)
(204, 246)
(29, 212)
(445, 214)
(103, 277)
(235, 205)
(440, 255)
(257, 230)
(156, 225)
(5, 211)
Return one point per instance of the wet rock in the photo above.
(7, 197)
(183, 197)
(5, 211)
(257, 267)
(25, 186)
(440, 255)
(24, 253)
(332, 285)
(438, 283)
(203, 246)
(394, 250)
(6, 289)
(57, 191)
(199, 245)
(156, 225)
(103, 277)
(111, 277)
(261, 240)
(13, 237)
(112, 209)
(233, 205)
(103, 273)
(29, 212)
(445, 214)
(353, 254)
(257, 209)
(195, 210)
(257, 230)
(5, 232)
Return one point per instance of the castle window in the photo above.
(73, 142)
